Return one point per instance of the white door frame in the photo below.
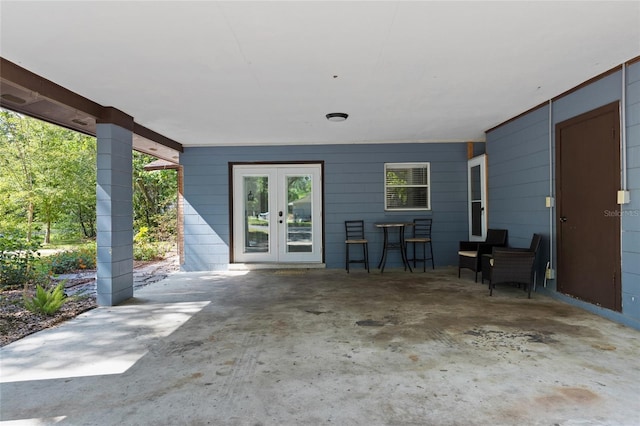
(280, 227)
(477, 197)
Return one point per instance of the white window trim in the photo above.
(426, 165)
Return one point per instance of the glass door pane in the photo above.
(254, 224)
(299, 238)
(476, 201)
(256, 214)
(477, 191)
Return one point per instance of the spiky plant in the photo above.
(47, 302)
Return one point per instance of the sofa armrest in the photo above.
(509, 266)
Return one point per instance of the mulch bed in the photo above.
(16, 322)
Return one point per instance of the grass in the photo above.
(69, 245)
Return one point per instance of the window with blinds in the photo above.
(407, 186)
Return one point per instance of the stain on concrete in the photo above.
(310, 311)
(562, 396)
(370, 323)
(579, 395)
(603, 347)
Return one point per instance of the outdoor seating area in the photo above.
(512, 265)
(471, 252)
(394, 239)
(498, 263)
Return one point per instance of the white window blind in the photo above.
(407, 186)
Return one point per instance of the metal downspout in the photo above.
(551, 194)
(623, 126)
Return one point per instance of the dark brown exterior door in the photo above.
(588, 223)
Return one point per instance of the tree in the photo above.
(48, 178)
(154, 196)
(299, 187)
(80, 203)
(17, 180)
(47, 174)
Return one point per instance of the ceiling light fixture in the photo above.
(337, 116)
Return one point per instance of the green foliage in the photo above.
(142, 236)
(146, 247)
(17, 256)
(257, 221)
(298, 187)
(80, 201)
(47, 302)
(48, 184)
(71, 260)
(150, 250)
(166, 229)
(47, 176)
(154, 199)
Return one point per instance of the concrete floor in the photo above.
(298, 347)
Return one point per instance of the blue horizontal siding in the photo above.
(353, 189)
(518, 176)
(630, 220)
(601, 92)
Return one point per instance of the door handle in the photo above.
(563, 219)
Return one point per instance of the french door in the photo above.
(477, 198)
(277, 213)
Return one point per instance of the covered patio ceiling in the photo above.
(216, 73)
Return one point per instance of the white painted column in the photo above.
(114, 214)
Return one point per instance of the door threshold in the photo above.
(257, 266)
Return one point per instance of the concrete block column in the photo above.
(114, 214)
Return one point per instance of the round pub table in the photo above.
(395, 244)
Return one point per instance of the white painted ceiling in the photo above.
(254, 73)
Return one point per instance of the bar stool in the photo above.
(355, 235)
(421, 235)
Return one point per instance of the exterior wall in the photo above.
(521, 159)
(518, 174)
(353, 189)
(631, 212)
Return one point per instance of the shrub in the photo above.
(17, 256)
(142, 236)
(47, 302)
(150, 251)
(72, 260)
